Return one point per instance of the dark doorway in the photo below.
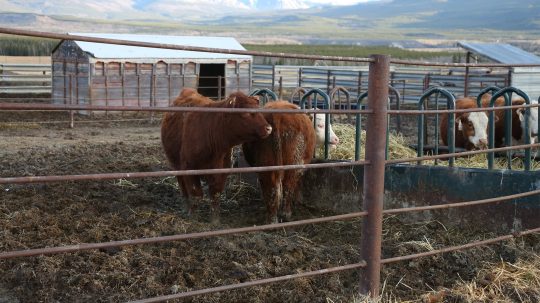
(209, 78)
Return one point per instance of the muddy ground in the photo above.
(65, 213)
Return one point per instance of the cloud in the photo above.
(339, 2)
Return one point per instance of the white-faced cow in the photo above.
(518, 121)
(470, 128)
(204, 140)
(320, 123)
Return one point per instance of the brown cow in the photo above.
(470, 128)
(171, 126)
(204, 140)
(292, 142)
(518, 121)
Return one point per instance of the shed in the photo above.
(119, 75)
(525, 78)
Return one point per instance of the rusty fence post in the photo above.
(379, 71)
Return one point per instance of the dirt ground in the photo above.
(66, 213)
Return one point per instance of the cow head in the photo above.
(473, 127)
(533, 122)
(186, 92)
(320, 123)
(246, 126)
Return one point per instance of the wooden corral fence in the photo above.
(373, 165)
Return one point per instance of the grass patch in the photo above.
(347, 50)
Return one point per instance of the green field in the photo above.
(22, 46)
(17, 46)
(345, 51)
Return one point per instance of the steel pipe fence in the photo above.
(199, 172)
(374, 165)
(359, 265)
(253, 283)
(180, 237)
(232, 231)
(412, 82)
(462, 247)
(67, 107)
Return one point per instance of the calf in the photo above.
(204, 140)
(470, 128)
(518, 121)
(292, 142)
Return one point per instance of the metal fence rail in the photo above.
(25, 78)
(410, 82)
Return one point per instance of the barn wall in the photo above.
(125, 83)
(340, 190)
(70, 74)
(238, 74)
(81, 79)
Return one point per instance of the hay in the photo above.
(500, 281)
(19, 125)
(398, 149)
(345, 149)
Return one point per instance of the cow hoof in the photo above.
(272, 220)
(287, 216)
(215, 219)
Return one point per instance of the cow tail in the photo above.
(277, 145)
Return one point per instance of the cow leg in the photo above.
(193, 192)
(216, 185)
(290, 194)
(272, 192)
(181, 185)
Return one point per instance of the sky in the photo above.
(340, 2)
(141, 3)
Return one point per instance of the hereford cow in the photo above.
(320, 123)
(518, 121)
(470, 128)
(292, 142)
(204, 140)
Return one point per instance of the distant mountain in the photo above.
(266, 21)
(445, 14)
(141, 9)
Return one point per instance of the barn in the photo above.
(119, 75)
(524, 78)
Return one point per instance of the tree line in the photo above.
(27, 46)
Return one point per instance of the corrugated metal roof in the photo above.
(111, 51)
(501, 52)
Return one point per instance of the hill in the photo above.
(408, 23)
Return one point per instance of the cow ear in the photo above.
(460, 124)
(519, 112)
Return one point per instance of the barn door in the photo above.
(212, 80)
